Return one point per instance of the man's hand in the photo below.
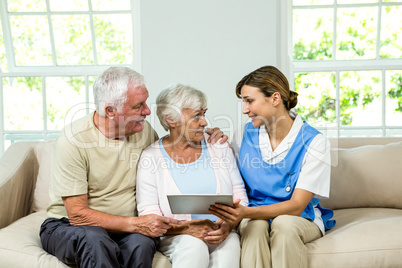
(153, 225)
(215, 135)
(218, 236)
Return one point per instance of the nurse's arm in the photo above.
(294, 206)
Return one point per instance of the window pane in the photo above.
(3, 58)
(31, 40)
(360, 133)
(65, 97)
(394, 133)
(72, 34)
(394, 98)
(107, 5)
(360, 98)
(391, 29)
(316, 100)
(91, 80)
(356, 36)
(114, 39)
(23, 103)
(356, 1)
(312, 34)
(26, 5)
(312, 2)
(68, 5)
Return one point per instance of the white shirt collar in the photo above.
(284, 146)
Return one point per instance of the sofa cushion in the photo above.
(44, 152)
(20, 246)
(362, 237)
(366, 177)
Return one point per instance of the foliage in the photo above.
(73, 43)
(314, 51)
(356, 38)
(396, 90)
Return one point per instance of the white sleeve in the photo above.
(147, 190)
(236, 141)
(316, 168)
(238, 189)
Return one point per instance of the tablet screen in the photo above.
(197, 204)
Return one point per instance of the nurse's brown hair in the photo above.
(269, 80)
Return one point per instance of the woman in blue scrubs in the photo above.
(285, 164)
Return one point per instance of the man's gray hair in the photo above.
(172, 100)
(112, 85)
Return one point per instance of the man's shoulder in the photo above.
(78, 127)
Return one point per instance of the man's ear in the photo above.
(110, 111)
(276, 99)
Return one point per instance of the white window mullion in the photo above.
(44, 105)
(8, 40)
(338, 103)
(87, 93)
(136, 22)
(383, 102)
(378, 41)
(52, 42)
(93, 36)
(1, 117)
(334, 36)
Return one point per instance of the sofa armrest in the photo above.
(18, 173)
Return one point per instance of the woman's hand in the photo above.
(200, 228)
(153, 225)
(215, 135)
(231, 215)
(218, 236)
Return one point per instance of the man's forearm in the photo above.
(111, 223)
(80, 214)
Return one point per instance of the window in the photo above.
(347, 65)
(50, 53)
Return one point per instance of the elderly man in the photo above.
(92, 218)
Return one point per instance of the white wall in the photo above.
(208, 44)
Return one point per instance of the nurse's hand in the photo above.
(218, 236)
(215, 135)
(231, 215)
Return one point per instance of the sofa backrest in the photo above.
(367, 176)
(44, 153)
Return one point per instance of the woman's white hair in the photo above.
(172, 100)
(112, 85)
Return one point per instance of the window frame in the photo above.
(291, 66)
(58, 70)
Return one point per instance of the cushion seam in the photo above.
(355, 251)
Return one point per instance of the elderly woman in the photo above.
(183, 163)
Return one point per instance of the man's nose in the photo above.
(146, 110)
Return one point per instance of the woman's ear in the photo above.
(169, 121)
(276, 99)
(110, 111)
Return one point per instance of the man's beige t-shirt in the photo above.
(86, 162)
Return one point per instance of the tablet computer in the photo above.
(197, 203)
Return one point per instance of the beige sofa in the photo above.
(366, 195)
